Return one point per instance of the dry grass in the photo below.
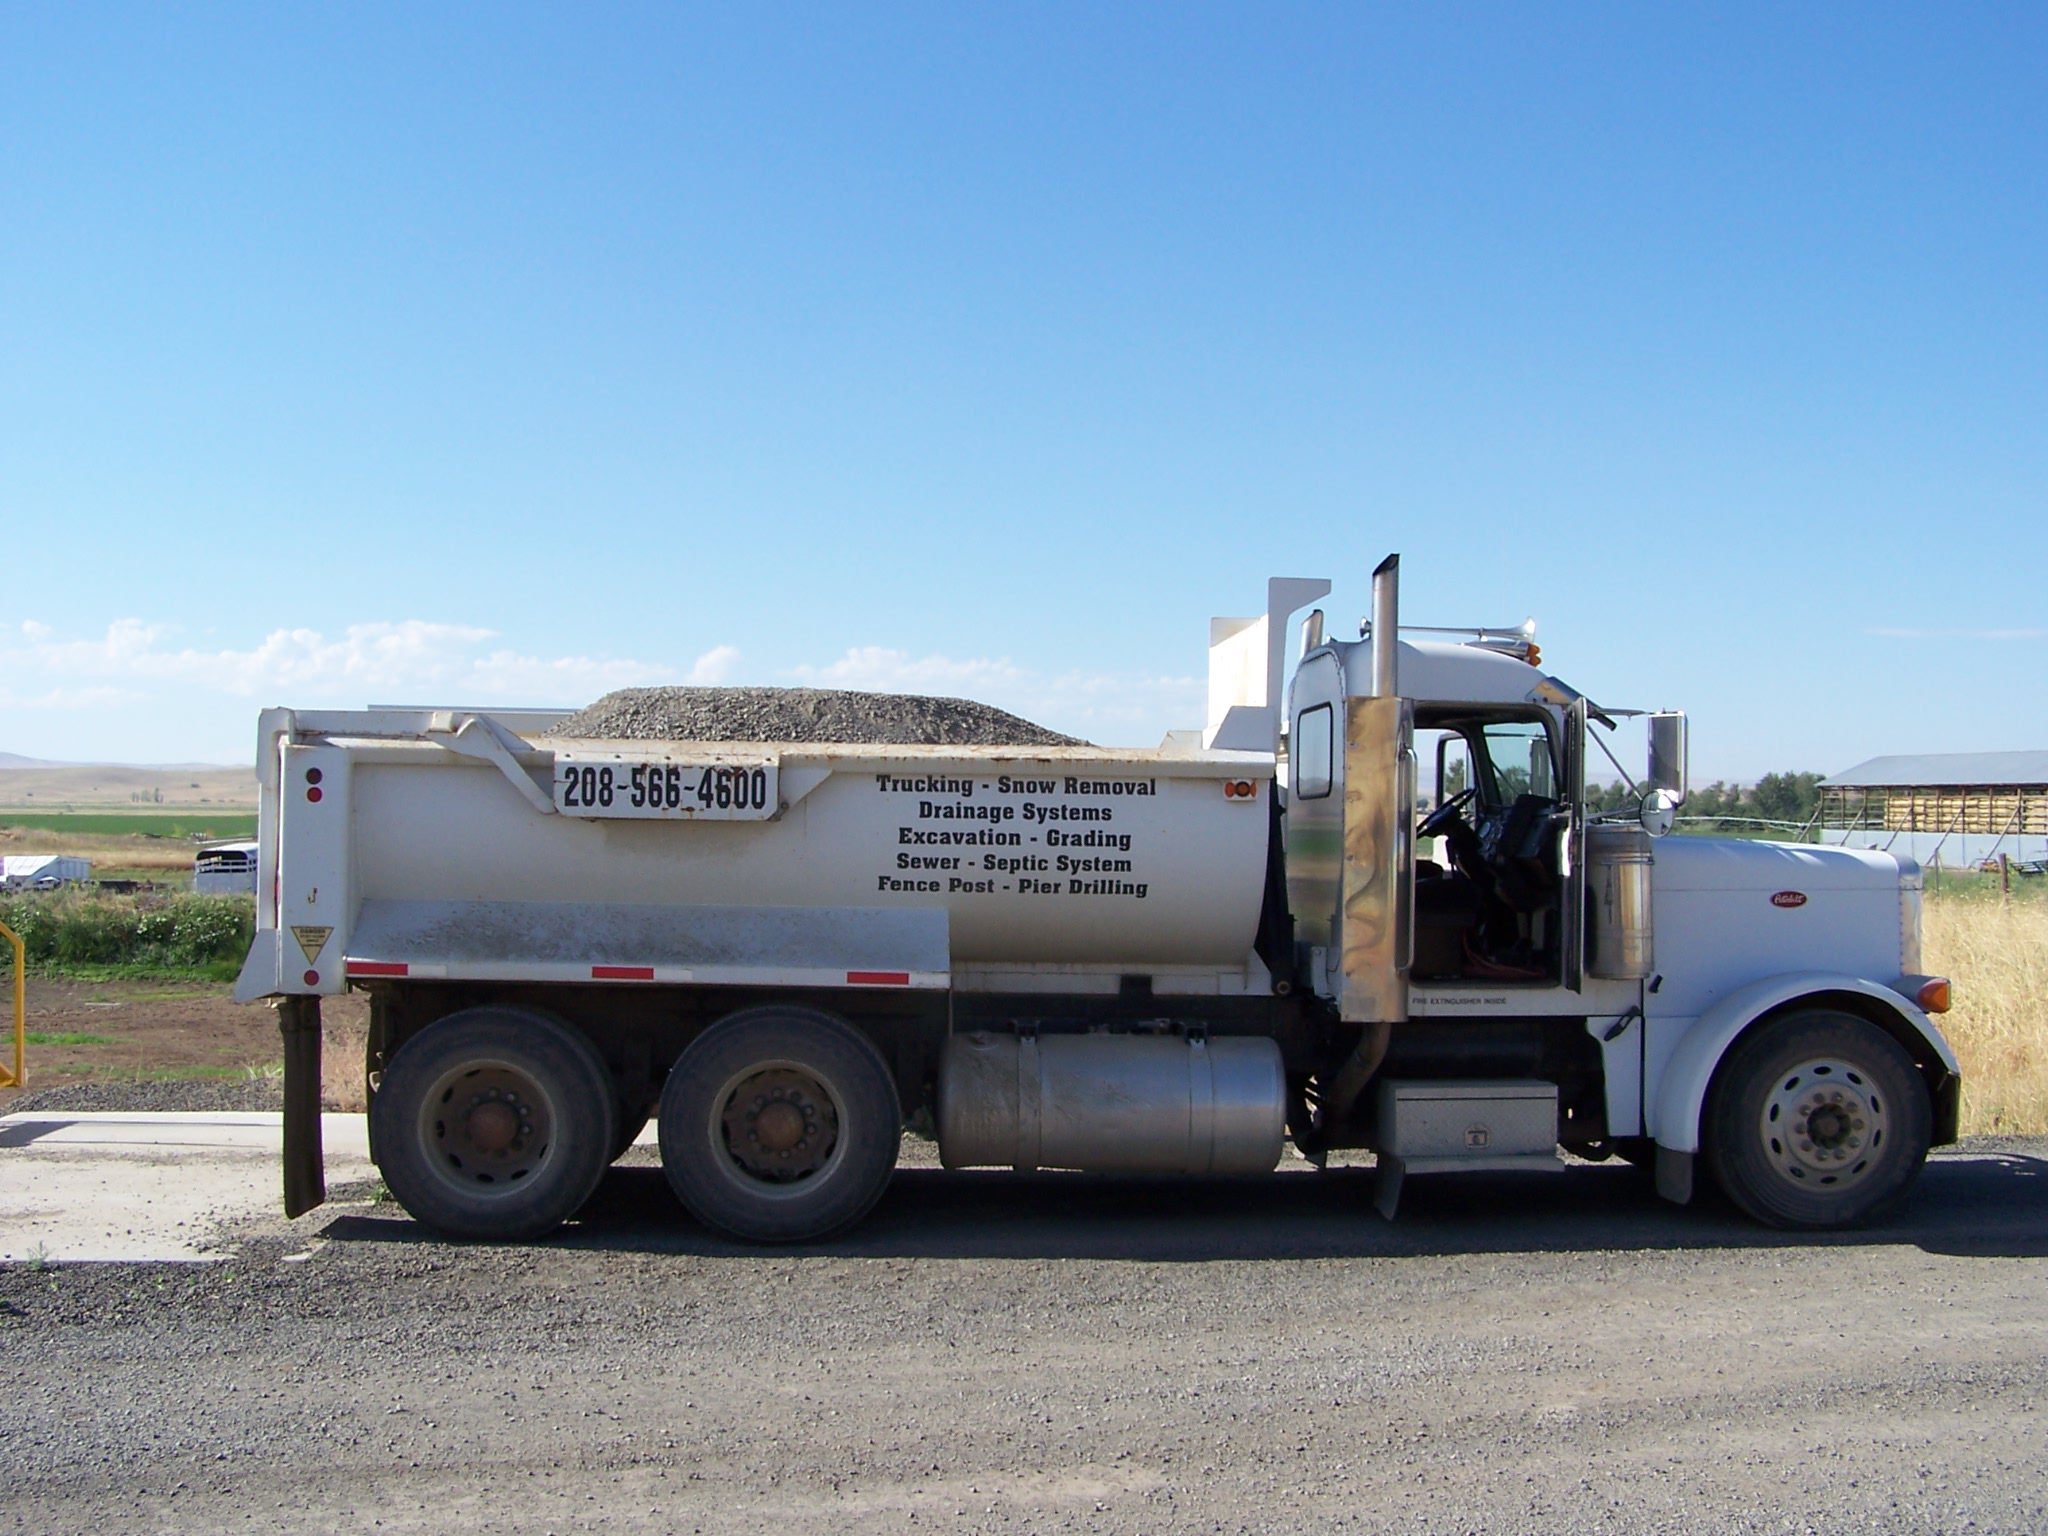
(1997, 956)
(341, 1067)
(152, 856)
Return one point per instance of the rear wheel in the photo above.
(494, 1123)
(779, 1125)
(1818, 1120)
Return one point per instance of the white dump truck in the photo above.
(1377, 916)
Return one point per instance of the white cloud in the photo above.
(413, 658)
(713, 667)
(70, 698)
(878, 668)
(1101, 706)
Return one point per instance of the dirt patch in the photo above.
(93, 1044)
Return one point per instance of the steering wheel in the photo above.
(1445, 816)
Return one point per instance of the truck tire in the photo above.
(1819, 1119)
(779, 1125)
(494, 1123)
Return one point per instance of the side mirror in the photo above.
(1667, 755)
(1658, 813)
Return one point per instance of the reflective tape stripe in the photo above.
(878, 978)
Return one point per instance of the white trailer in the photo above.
(225, 868)
(1166, 960)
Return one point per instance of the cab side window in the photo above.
(1452, 755)
(1312, 752)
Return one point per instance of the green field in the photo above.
(182, 824)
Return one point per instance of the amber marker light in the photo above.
(1933, 995)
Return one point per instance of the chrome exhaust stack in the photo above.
(1375, 920)
(1386, 628)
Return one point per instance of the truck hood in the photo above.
(1734, 864)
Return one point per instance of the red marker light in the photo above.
(312, 978)
(313, 795)
(313, 775)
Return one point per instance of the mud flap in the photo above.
(1674, 1175)
(305, 1164)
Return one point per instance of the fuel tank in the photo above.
(1620, 941)
(1106, 1103)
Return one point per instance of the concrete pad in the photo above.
(148, 1187)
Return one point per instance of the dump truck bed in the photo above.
(445, 845)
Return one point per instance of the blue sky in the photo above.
(509, 354)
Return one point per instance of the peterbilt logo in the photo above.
(1788, 898)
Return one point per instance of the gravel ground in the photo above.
(989, 1353)
(801, 714)
(188, 1096)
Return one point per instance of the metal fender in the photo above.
(1682, 1092)
(263, 968)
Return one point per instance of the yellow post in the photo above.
(20, 1007)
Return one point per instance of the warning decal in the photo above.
(312, 941)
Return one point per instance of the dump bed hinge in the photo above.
(481, 737)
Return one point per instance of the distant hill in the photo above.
(26, 785)
(16, 760)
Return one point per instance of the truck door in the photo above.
(1315, 804)
(1351, 777)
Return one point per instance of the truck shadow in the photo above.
(1993, 1205)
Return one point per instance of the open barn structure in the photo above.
(42, 872)
(1952, 808)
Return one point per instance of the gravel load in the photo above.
(838, 715)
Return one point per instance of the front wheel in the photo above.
(1818, 1120)
(780, 1124)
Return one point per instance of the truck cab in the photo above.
(1488, 940)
